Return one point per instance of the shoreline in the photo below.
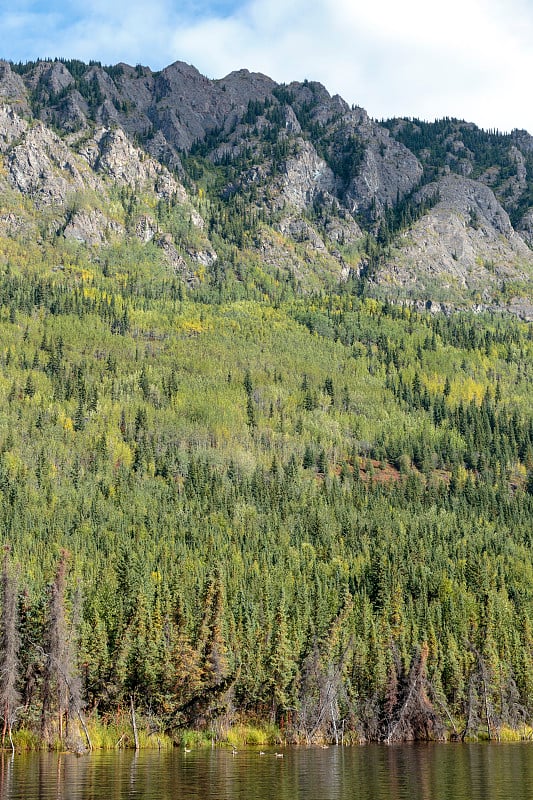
(108, 737)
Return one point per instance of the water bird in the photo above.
(278, 755)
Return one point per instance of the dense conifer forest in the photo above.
(242, 503)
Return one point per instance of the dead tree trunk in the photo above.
(9, 648)
(134, 724)
(414, 716)
(483, 678)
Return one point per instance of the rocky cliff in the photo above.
(220, 174)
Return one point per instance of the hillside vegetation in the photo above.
(247, 474)
(314, 511)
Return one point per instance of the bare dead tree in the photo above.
(321, 691)
(134, 724)
(9, 648)
(73, 680)
(393, 691)
(61, 682)
(312, 691)
(513, 711)
(55, 646)
(481, 686)
(414, 717)
(472, 709)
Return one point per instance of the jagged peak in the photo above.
(247, 76)
(183, 69)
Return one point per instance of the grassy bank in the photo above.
(118, 734)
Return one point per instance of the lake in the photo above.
(371, 772)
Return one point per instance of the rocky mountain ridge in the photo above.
(218, 175)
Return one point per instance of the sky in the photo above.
(471, 59)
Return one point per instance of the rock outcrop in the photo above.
(387, 172)
(306, 175)
(465, 245)
(92, 227)
(41, 166)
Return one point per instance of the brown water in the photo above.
(410, 772)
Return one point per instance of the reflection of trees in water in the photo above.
(59, 781)
(6, 775)
(133, 774)
(416, 771)
(411, 773)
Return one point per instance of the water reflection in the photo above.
(407, 772)
(6, 774)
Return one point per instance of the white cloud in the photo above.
(466, 58)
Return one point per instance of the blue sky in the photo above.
(465, 58)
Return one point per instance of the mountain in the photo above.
(239, 482)
(284, 178)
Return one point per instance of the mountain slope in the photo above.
(235, 486)
(303, 186)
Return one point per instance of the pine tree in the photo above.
(281, 667)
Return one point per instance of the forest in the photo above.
(239, 504)
(254, 488)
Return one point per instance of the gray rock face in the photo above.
(176, 260)
(372, 168)
(55, 77)
(14, 224)
(306, 175)
(241, 86)
(12, 128)
(342, 229)
(325, 109)
(523, 140)
(178, 101)
(184, 105)
(465, 243)
(300, 231)
(71, 113)
(12, 88)
(43, 167)
(388, 170)
(511, 190)
(112, 154)
(146, 229)
(203, 257)
(525, 227)
(92, 227)
(472, 200)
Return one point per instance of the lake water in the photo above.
(413, 772)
